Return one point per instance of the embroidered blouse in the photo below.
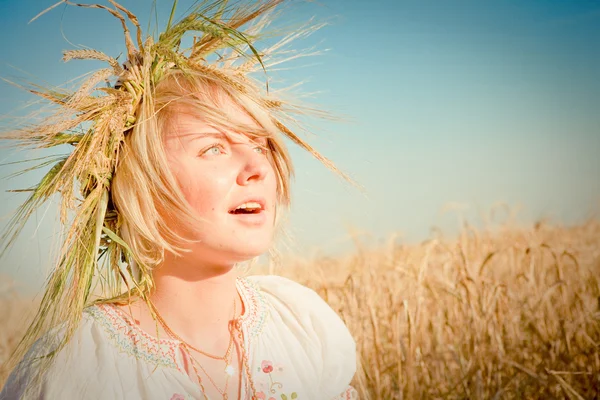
(299, 348)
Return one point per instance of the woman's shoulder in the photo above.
(63, 347)
(301, 311)
(103, 345)
(305, 318)
(293, 300)
(54, 360)
(289, 293)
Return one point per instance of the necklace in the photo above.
(238, 327)
(229, 370)
(195, 362)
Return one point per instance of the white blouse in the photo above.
(298, 348)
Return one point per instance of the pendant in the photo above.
(229, 370)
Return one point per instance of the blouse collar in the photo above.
(131, 339)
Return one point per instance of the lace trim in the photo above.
(133, 340)
(256, 313)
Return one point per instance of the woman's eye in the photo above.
(261, 149)
(214, 150)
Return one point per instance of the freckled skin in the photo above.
(218, 172)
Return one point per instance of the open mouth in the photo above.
(247, 208)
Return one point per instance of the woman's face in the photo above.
(229, 181)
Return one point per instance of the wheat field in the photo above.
(503, 313)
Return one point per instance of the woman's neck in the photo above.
(196, 302)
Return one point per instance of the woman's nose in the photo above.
(255, 166)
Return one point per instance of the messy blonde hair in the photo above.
(143, 189)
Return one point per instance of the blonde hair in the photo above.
(143, 189)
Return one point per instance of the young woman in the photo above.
(181, 175)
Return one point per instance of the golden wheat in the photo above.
(510, 313)
(494, 314)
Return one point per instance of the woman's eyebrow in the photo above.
(188, 138)
(201, 135)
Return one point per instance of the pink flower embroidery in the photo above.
(177, 396)
(274, 387)
(266, 366)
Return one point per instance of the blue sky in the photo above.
(467, 103)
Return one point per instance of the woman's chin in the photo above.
(247, 253)
(249, 246)
(234, 248)
(234, 253)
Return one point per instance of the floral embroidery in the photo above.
(178, 396)
(274, 387)
(267, 366)
(256, 313)
(292, 396)
(349, 394)
(132, 340)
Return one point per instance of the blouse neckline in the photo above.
(132, 339)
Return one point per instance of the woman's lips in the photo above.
(253, 219)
